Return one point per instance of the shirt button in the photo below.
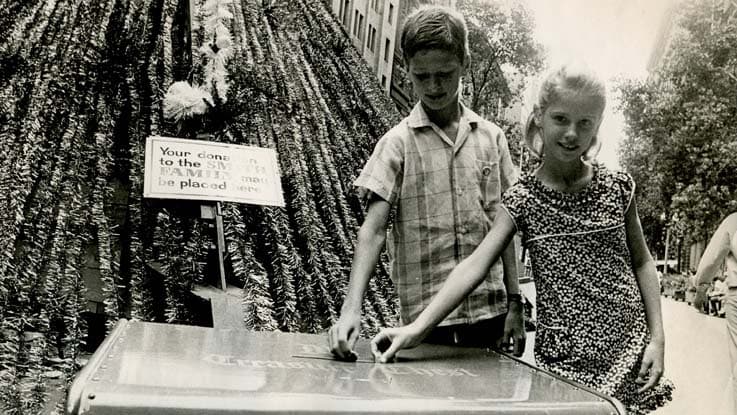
(462, 230)
(486, 171)
(459, 191)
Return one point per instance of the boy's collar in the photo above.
(418, 117)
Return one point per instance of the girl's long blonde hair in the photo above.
(570, 76)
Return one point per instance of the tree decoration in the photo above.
(184, 101)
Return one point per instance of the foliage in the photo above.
(81, 89)
(682, 134)
(500, 37)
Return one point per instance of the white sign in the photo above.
(204, 170)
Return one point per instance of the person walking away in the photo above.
(599, 316)
(722, 250)
(441, 172)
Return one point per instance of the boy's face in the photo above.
(436, 76)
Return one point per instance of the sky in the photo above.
(614, 37)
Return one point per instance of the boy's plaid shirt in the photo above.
(446, 195)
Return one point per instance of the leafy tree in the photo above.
(500, 36)
(682, 133)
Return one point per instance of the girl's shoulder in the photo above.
(522, 187)
(522, 191)
(616, 178)
(618, 183)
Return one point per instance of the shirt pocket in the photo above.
(487, 172)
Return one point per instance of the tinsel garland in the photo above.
(101, 192)
(333, 209)
(253, 278)
(285, 263)
(218, 47)
(294, 165)
(134, 251)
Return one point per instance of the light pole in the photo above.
(667, 241)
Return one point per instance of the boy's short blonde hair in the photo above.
(435, 27)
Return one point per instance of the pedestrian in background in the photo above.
(599, 317)
(722, 251)
(441, 171)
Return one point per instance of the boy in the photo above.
(443, 168)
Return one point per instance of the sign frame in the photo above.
(264, 170)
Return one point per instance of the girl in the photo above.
(599, 320)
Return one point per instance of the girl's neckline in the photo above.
(565, 194)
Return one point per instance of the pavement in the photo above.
(696, 360)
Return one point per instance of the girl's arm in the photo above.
(462, 280)
(644, 267)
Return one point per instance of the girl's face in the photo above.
(569, 124)
(436, 76)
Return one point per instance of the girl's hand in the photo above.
(388, 342)
(652, 366)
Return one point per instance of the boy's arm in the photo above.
(509, 264)
(642, 262)
(462, 280)
(370, 241)
(514, 325)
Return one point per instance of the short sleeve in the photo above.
(382, 173)
(507, 173)
(513, 201)
(627, 188)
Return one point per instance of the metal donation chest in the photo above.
(152, 368)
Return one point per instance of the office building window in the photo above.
(360, 27)
(372, 39)
(383, 81)
(390, 14)
(344, 14)
(387, 50)
(355, 23)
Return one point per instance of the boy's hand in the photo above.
(652, 366)
(514, 338)
(388, 342)
(343, 335)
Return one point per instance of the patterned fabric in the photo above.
(591, 318)
(446, 194)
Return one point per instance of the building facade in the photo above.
(374, 27)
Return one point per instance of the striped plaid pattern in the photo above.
(446, 195)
